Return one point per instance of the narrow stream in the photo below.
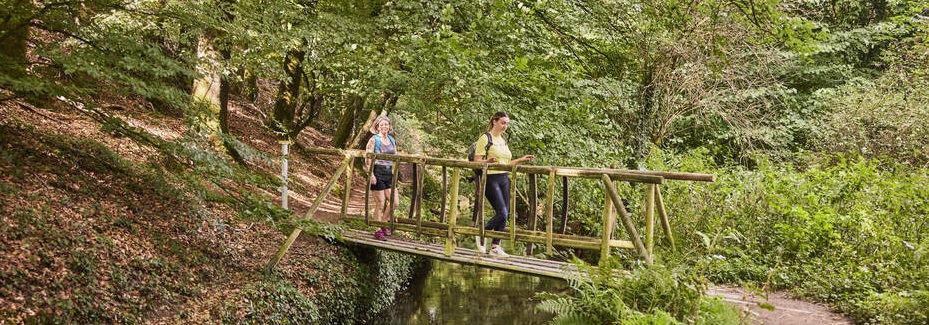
(461, 294)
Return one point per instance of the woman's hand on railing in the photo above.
(522, 159)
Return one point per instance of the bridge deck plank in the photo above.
(522, 264)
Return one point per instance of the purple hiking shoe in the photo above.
(379, 235)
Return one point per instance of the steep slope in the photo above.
(97, 228)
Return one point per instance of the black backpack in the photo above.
(490, 142)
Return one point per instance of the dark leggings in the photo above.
(498, 193)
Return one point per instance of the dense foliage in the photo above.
(850, 232)
(813, 115)
(655, 295)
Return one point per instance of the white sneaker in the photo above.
(498, 251)
(480, 248)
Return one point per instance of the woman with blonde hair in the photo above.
(381, 179)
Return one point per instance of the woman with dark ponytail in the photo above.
(498, 181)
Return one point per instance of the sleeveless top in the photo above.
(387, 147)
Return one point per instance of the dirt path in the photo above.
(787, 310)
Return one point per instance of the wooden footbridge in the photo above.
(448, 229)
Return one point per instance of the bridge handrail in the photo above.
(629, 175)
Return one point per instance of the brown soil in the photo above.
(121, 225)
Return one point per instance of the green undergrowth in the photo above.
(349, 288)
(644, 295)
(848, 232)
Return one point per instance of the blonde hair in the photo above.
(377, 123)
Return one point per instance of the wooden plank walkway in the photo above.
(513, 263)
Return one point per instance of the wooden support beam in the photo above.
(564, 204)
(609, 219)
(441, 230)
(533, 208)
(550, 211)
(453, 216)
(368, 193)
(393, 193)
(649, 214)
(346, 196)
(512, 210)
(309, 213)
(414, 188)
(663, 215)
(419, 194)
(444, 193)
(480, 202)
(627, 221)
(521, 235)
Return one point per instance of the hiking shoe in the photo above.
(480, 248)
(379, 235)
(498, 252)
(386, 232)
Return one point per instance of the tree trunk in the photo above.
(206, 89)
(211, 94)
(643, 132)
(224, 90)
(285, 105)
(14, 32)
(13, 51)
(385, 104)
(346, 124)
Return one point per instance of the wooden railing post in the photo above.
(564, 204)
(453, 215)
(393, 193)
(627, 221)
(309, 213)
(512, 216)
(444, 193)
(533, 209)
(550, 212)
(649, 214)
(346, 196)
(663, 215)
(413, 187)
(609, 219)
(480, 204)
(368, 193)
(420, 177)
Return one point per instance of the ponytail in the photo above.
(494, 118)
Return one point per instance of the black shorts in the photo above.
(384, 178)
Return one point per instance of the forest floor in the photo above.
(309, 175)
(786, 309)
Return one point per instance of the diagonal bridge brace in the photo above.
(309, 213)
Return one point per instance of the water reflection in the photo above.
(459, 294)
